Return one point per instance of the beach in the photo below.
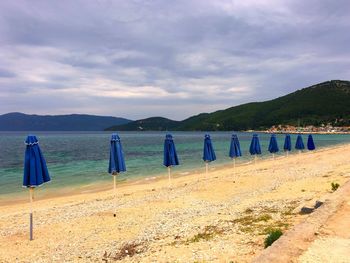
(222, 217)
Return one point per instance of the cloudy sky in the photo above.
(142, 58)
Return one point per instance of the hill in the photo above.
(16, 121)
(326, 102)
(149, 124)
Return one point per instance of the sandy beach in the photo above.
(223, 217)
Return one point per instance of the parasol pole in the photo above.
(115, 193)
(206, 170)
(234, 166)
(31, 192)
(169, 176)
(255, 158)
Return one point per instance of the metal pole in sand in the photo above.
(169, 176)
(31, 190)
(255, 158)
(273, 169)
(206, 170)
(115, 193)
(234, 167)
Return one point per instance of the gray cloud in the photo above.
(141, 58)
(4, 73)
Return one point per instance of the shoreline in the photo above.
(306, 132)
(164, 131)
(298, 132)
(105, 187)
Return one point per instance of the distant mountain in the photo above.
(327, 102)
(16, 121)
(149, 124)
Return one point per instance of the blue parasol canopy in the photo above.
(287, 143)
(208, 150)
(35, 169)
(235, 148)
(170, 155)
(273, 146)
(255, 145)
(116, 156)
(299, 144)
(310, 143)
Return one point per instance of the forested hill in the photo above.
(321, 103)
(16, 121)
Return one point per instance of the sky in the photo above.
(137, 59)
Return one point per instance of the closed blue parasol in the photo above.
(170, 155)
(208, 152)
(35, 171)
(310, 143)
(116, 156)
(287, 144)
(273, 146)
(235, 148)
(255, 145)
(255, 148)
(299, 144)
(116, 162)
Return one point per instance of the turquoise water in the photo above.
(77, 159)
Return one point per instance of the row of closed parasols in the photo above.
(36, 172)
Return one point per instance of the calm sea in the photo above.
(80, 159)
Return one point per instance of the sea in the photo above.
(79, 160)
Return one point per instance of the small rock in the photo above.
(318, 204)
(309, 206)
(306, 210)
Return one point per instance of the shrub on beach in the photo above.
(272, 237)
(335, 186)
